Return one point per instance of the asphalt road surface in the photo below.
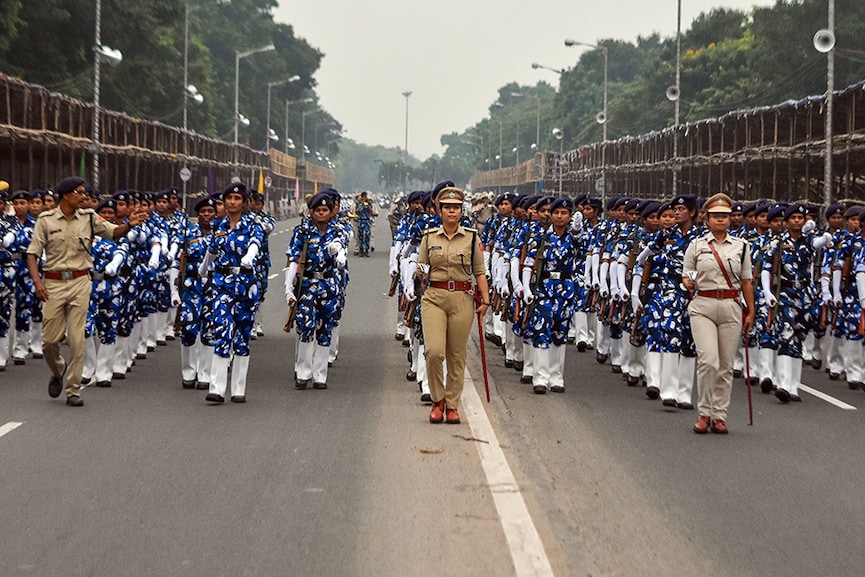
(148, 479)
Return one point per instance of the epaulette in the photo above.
(48, 212)
(86, 211)
(469, 229)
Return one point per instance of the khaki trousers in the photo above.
(717, 328)
(447, 321)
(65, 312)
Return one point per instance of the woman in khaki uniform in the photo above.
(717, 269)
(452, 255)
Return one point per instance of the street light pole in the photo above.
(96, 94)
(678, 95)
(269, 86)
(403, 175)
(830, 90)
(237, 56)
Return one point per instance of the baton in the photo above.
(483, 349)
(748, 377)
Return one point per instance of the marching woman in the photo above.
(319, 247)
(549, 290)
(453, 255)
(233, 251)
(718, 272)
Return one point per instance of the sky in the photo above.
(454, 55)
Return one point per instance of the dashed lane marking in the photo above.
(9, 427)
(527, 549)
(829, 399)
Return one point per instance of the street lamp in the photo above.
(237, 56)
(558, 71)
(407, 93)
(824, 41)
(101, 55)
(287, 102)
(557, 132)
(270, 85)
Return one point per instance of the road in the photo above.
(148, 479)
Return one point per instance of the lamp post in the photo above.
(407, 93)
(824, 41)
(303, 148)
(560, 136)
(107, 55)
(269, 133)
(602, 117)
(287, 102)
(237, 56)
(558, 71)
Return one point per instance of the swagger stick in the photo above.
(483, 349)
(748, 378)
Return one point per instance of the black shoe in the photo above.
(685, 406)
(834, 376)
(670, 403)
(55, 386)
(589, 347)
(782, 396)
(601, 358)
(161, 343)
(408, 356)
(854, 385)
(815, 363)
(633, 381)
(18, 361)
(214, 398)
(796, 398)
(766, 386)
(140, 356)
(74, 401)
(518, 366)
(411, 376)
(188, 384)
(319, 385)
(406, 343)
(558, 388)
(581, 346)
(571, 340)
(737, 374)
(752, 382)
(301, 384)
(103, 384)
(495, 339)
(509, 364)
(398, 337)
(169, 337)
(653, 393)
(38, 356)
(329, 364)
(616, 369)
(85, 380)
(539, 389)
(526, 380)
(150, 349)
(426, 398)
(118, 376)
(238, 399)
(202, 386)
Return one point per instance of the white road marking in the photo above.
(9, 427)
(273, 276)
(527, 549)
(827, 398)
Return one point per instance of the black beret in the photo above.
(204, 202)
(507, 196)
(321, 199)
(796, 208)
(68, 184)
(835, 208)
(562, 202)
(689, 201)
(20, 194)
(415, 196)
(122, 195)
(650, 208)
(235, 188)
(107, 203)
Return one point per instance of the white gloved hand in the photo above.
(587, 273)
(408, 291)
(577, 222)
(614, 279)
(205, 263)
(809, 227)
(341, 259)
(248, 259)
(595, 261)
(822, 241)
(766, 283)
(172, 252)
(487, 263)
(528, 297)
(112, 267)
(644, 255)
(603, 289)
(770, 299)
(290, 276)
(333, 248)
(621, 273)
(155, 251)
(504, 270)
(515, 277)
(836, 287)
(635, 302)
(393, 266)
(8, 239)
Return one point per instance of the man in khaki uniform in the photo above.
(65, 234)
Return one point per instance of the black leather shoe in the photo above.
(509, 364)
(571, 340)
(408, 356)
(74, 401)
(161, 343)
(782, 395)
(834, 376)
(406, 343)
(633, 381)
(518, 366)
(854, 385)
(558, 388)
(669, 403)
(301, 384)
(150, 349)
(796, 398)
(411, 376)
(398, 337)
(526, 380)
(188, 384)
(38, 356)
(737, 374)
(170, 337)
(616, 369)
(495, 339)
(238, 399)
(539, 389)
(426, 398)
(685, 406)
(118, 376)
(103, 384)
(581, 346)
(214, 398)
(140, 356)
(601, 358)
(202, 386)
(18, 361)
(85, 381)
(766, 386)
(815, 363)
(653, 392)
(319, 385)
(55, 386)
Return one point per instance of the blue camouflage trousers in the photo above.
(316, 310)
(234, 305)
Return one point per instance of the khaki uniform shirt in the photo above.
(68, 242)
(735, 254)
(451, 259)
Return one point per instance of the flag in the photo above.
(209, 181)
(260, 181)
(82, 167)
(296, 188)
(315, 188)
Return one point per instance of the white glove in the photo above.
(635, 294)
(392, 260)
(766, 282)
(602, 280)
(577, 222)
(621, 271)
(290, 275)
(205, 263)
(587, 273)
(809, 227)
(860, 286)
(825, 293)
(163, 243)
(515, 276)
(614, 279)
(112, 267)
(595, 259)
(644, 255)
(504, 270)
(8, 239)
(249, 258)
(155, 251)
(333, 248)
(836, 287)
(172, 252)
(528, 297)
(822, 241)
(408, 291)
(487, 263)
(173, 273)
(341, 259)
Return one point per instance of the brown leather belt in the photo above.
(451, 285)
(719, 294)
(64, 274)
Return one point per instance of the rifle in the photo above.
(298, 283)
(394, 283)
(776, 270)
(181, 279)
(536, 277)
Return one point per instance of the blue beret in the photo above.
(415, 196)
(835, 208)
(4, 196)
(50, 192)
(543, 201)
(507, 196)
(738, 206)
(235, 188)
(776, 211)
(426, 199)
(173, 192)
(19, 194)
(850, 212)
(38, 193)
(122, 195)
(331, 192)
(612, 203)
(518, 199)
(204, 202)
(321, 199)
(650, 208)
(580, 199)
(562, 202)
(596, 203)
(107, 203)
(761, 207)
(632, 204)
(161, 195)
(663, 207)
(527, 200)
(256, 196)
(440, 186)
(689, 201)
(68, 184)
(701, 201)
(796, 208)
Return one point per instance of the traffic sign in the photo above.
(185, 174)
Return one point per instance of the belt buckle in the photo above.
(66, 275)
(452, 286)
(555, 275)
